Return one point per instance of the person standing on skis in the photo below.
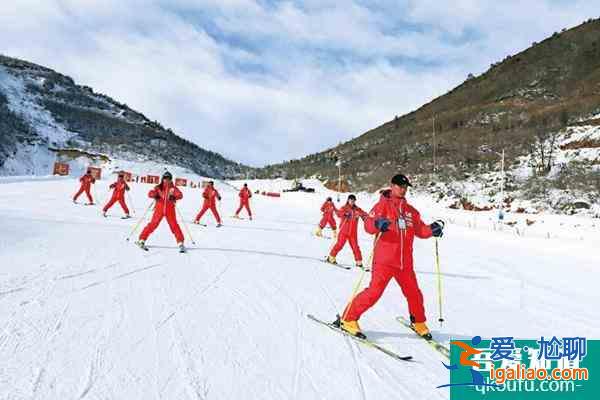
(245, 195)
(87, 181)
(349, 214)
(328, 209)
(166, 194)
(396, 223)
(210, 202)
(119, 189)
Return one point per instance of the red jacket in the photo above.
(328, 208)
(120, 186)
(86, 181)
(245, 194)
(211, 195)
(349, 216)
(395, 247)
(165, 196)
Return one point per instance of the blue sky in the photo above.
(266, 81)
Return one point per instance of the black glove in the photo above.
(219, 198)
(437, 228)
(383, 224)
(171, 197)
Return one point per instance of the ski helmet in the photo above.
(329, 199)
(352, 197)
(167, 175)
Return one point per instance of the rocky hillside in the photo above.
(43, 113)
(526, 104)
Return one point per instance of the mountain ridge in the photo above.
(41, 108)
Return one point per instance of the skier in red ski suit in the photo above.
(119, 188)
(245, 195)
(328, 209)
(396, 223)
(87, 181)
(350, 213)
(165, 194)
(210, 202)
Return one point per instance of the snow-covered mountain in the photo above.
(45, 116)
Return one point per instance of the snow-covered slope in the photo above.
(85, 314)
(42, 111)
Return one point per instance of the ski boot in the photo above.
(351, 327)
(196, 222)
(250, 218)
(182, 248)
(127, 216)
(104, 214)
(334, 233)
(331, 260)
(422, 330)
(142, 245)
(236, 216)
(319, 232)
(219, 225)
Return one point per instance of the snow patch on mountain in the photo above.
(23, 103)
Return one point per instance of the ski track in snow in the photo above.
(85, 314)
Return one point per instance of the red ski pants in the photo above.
(246, 205)
(159, 213)
(341, 241)
(328, 219)
(87, 192)
(380, 277)
(212, 208)
(113, 200)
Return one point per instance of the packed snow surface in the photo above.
(86, 314)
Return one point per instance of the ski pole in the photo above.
(140, 221)
(131, 201)
(360, 279)
(439, 282)
(185, 225)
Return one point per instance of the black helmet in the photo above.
(167, 175)
(329, 199)
(400, 180)
(245, 185)
(352, 197)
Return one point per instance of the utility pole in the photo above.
(339, 165)
(434, 146)
(500, 213)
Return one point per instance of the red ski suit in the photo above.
(392, 257)
(245, 195)
(165, 196)
(349, 230)
(86, 184)
(210, 202)
(328, 208)
(120, 186)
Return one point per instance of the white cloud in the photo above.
(263, 82)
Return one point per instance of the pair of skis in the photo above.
(432, 342)
(346, 266)
(143, 246)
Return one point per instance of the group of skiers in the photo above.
(393, 221)
(395, 224)
(165, 196)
